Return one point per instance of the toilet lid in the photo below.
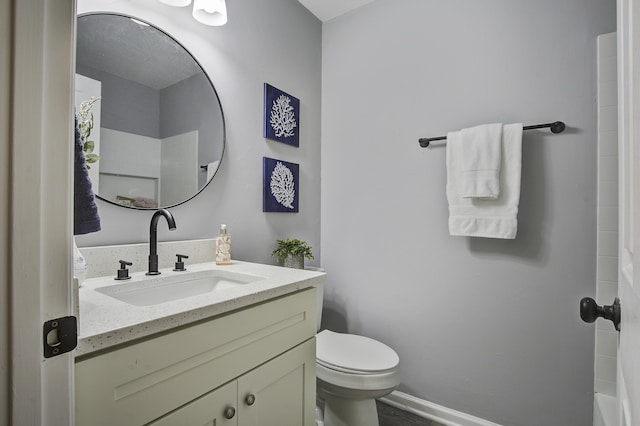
(353, 353)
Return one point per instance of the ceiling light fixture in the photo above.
(210, 12)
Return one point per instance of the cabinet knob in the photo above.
(229, 412)
(250, 399)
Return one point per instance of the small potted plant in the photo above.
(85, 125)
(291, 252)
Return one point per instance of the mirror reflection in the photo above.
(157, 129)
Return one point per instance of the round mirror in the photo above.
(150, 119)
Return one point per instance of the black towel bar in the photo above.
(556, 127)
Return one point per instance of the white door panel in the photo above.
(629, 233)
(41, 146)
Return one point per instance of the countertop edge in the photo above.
(111, 338)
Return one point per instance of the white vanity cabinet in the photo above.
(253, 366)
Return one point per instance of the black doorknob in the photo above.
(590, 311)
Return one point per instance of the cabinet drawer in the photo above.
(138, 383)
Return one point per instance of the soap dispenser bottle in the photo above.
(223, 247)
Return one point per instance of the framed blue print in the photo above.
(281, 116)
(281, 187)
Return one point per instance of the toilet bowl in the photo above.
(351, 372)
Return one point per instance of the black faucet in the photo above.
(153, 238)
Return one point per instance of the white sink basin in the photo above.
(159, 289)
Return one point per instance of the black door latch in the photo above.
(60, 336)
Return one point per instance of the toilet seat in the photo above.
(353, 354)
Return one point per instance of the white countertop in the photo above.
(105, 321)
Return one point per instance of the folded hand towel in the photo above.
(481, 161)
(485, 218)
(147, 203)
(85, 210)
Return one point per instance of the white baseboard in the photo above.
(434, 412)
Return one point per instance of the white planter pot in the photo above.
(292, 261)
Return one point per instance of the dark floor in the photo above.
(391, 416)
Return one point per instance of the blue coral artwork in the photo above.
(281, 116)
(281, 186)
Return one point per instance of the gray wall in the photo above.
(126, 105)
(278, 42)
(486, 327)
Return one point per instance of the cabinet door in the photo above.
(217, 408)
(281, 392)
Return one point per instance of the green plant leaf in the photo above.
(292, 246)
(89, 146)
(92, 158)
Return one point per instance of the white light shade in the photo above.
(210, 12)
(179, 3)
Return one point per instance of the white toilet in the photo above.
(352, 371)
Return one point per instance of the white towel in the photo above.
(486, 218)
(481, 161)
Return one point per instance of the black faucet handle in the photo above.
(123, 272)
(180, 263)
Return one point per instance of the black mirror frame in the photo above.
(224, 131)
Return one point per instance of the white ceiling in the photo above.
(329, 9)
(104, 41)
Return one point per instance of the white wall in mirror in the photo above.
(179, 154)
(142, 171)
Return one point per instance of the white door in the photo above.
(629, 238)
(40, 145)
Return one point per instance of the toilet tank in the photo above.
(319, 296)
